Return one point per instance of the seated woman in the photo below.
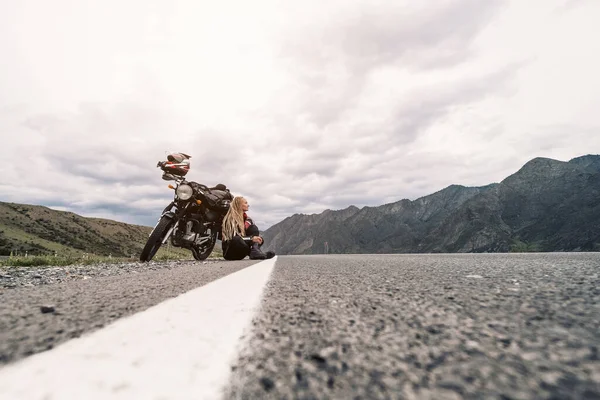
(240, 236)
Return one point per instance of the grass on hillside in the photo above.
(519, 246)
(91, 259)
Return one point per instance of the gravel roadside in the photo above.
(14, 277)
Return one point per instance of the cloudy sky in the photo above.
(300, 106)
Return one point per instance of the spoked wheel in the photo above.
(202, 252)
(155, 240)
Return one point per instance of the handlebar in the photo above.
(204, 188)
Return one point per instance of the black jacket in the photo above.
(237, 248)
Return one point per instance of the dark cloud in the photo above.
(431, 103)
(369, 35)
(321, 163)
(360, 156)
(98, 160)
(333, 60)
(122, 212)
(217, 156)
(553, 139)
(570, 5)
(101, 143)
(101, 169)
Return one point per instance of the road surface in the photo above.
(499, 326)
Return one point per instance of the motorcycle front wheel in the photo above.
(155, 240)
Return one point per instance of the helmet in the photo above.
(178, 157)
(178, 164)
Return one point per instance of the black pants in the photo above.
(238, 248)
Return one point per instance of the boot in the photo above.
(270, 254)
(256, 253)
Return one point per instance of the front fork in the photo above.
(176, 215)
(173, 215)
(169, 232)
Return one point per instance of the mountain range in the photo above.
(547, 205)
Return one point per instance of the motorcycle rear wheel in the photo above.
(155, 240)
(202, 253)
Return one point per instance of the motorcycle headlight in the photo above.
(184, 192)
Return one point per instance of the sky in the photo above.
(299, 106)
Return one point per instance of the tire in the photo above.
(202, 253)
(155, 240)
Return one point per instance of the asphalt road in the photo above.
(502, 326)
(89, 302)
(426, 327)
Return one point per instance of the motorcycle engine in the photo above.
(189, 235)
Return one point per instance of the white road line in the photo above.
(179, 349)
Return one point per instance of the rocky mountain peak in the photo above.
(590, 162)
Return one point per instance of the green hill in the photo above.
(39, 230)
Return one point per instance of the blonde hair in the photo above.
(233, 222)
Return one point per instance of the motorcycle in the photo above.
(193, 219)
